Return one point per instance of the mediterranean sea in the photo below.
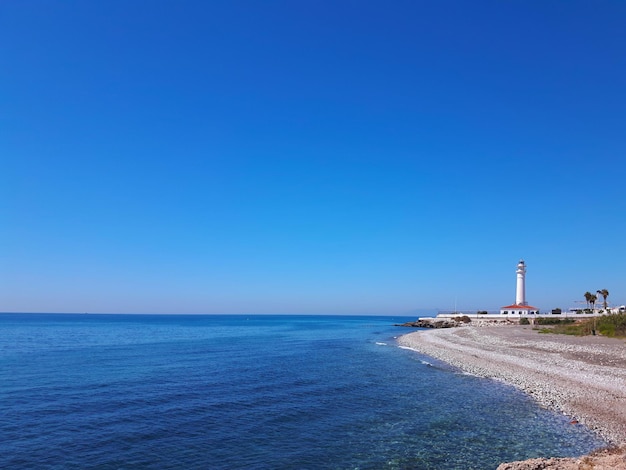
(253, 392)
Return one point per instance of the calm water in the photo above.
(257, 392)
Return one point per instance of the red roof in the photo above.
(519, 307)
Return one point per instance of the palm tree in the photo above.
(592, 301)
(588, 296)
(604, 293)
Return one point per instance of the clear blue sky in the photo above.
(310, 156)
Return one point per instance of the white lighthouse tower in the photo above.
(520, 307)
(520, 292)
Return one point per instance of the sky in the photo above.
(310, 157)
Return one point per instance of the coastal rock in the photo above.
(540, 464)
(603, 459)
(435, 323)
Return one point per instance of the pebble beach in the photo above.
(582, 377)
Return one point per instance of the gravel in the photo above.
(583, 377)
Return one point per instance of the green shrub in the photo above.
(606, 325)
(612, 325)
(554, 321)
(576, 329)
(524, 321)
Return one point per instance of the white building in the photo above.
(520, 307)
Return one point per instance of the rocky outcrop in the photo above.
(604, 459)
(436, 323)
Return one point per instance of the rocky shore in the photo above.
(461, 320)
(431, 323)
(603, 459)
(583, 377)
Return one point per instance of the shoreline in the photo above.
(582, 377)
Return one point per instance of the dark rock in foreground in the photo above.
(603, 459)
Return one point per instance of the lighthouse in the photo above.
(520, 307)
(520, 292)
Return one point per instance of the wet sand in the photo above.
(583, 377)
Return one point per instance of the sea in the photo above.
(85, 391)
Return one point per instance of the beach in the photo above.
(582, 377)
